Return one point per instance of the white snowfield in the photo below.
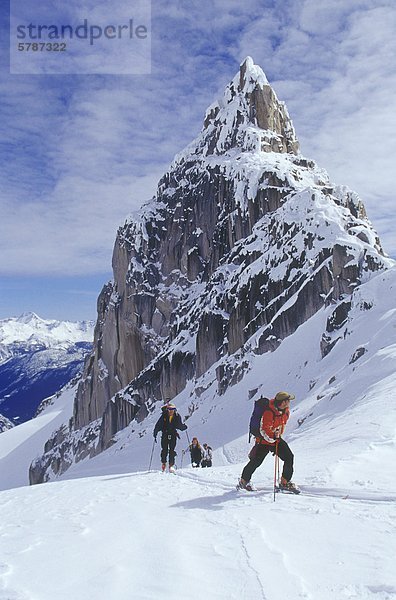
(111, 530)
(146, 536)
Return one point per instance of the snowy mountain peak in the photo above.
(250, 76)
(249, 116)
(28, 317)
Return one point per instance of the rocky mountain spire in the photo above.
(248, 116)
(244, 241)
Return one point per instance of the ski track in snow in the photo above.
(281, 562)
(126, 535)
(150, 535)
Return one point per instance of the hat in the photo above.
(170, 406)
(282, 396)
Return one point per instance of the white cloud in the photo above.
(72, 232)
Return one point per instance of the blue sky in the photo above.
(79, 153)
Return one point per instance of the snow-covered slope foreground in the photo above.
(152, 536)
(37, 358)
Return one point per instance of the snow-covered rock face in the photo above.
(5, 424)
(245, 240)
(248, 117)
(38, 357)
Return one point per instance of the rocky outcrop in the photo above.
(250, 116)
(62, 449)
(244, 241)
(5, 424)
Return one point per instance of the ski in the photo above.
(267, 490)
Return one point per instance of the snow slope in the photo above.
(114, 530)
(149, 536)
(27, 440)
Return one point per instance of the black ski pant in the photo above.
(168, 444)
(196, 457)
(260, 451)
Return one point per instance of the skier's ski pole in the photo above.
(151, 457)
(276, 467)
(188, 440)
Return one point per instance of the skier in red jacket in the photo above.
(272, 425)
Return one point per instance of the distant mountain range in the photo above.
(37, 358)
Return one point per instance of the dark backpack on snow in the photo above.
(259, 407)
